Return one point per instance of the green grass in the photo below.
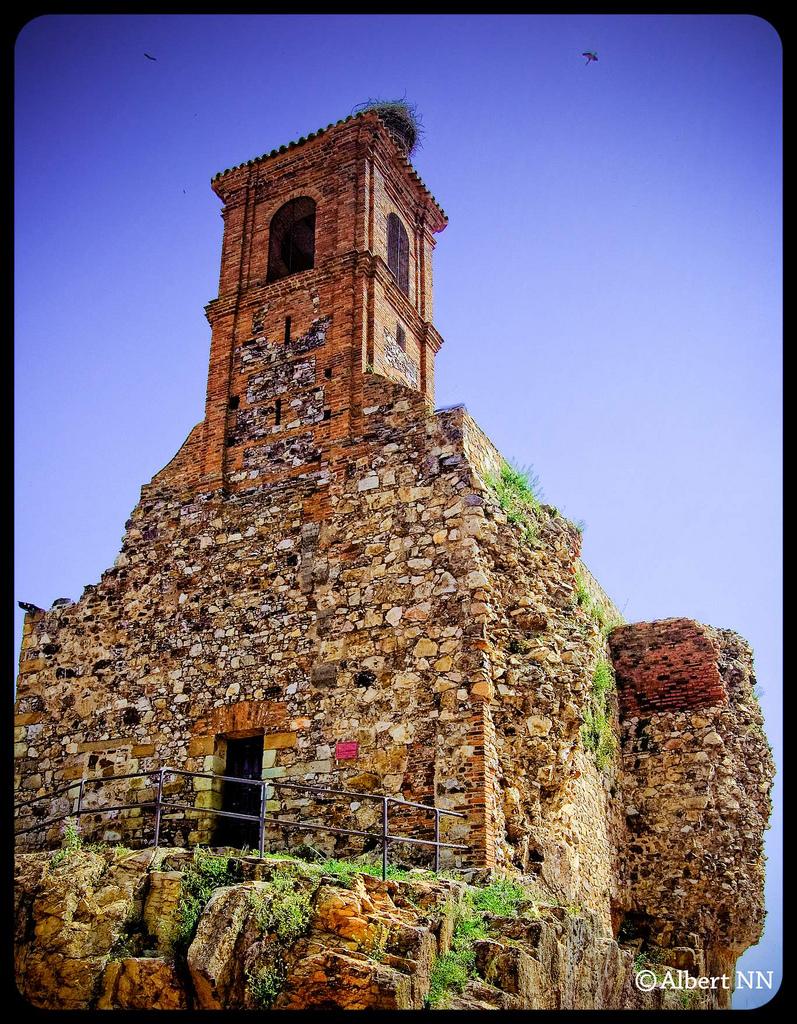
(206, 873)
(602, 679)
(689, 999)
(345, 870)
(583, 599)
(518, 492)
(74, 841)
(454, 969)
(597, 731)
(605, 620)
(502, 897)
(284, 909)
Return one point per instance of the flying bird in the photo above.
(155, 58)
(590, 55)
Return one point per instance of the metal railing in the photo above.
(161, 803)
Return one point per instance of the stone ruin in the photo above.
(325, 586)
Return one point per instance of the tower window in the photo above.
(401, 337)
(278, 412)
(398, 252)
(291, 240)
(287, 330)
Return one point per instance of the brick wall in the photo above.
(356, 176)
(669, 665)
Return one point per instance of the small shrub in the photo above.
(265, 983)
(377, 948)
(122, 948)
(597, 732)
(283, 909)
(689, 998)
(71, 843)
(207, 873)
(453, 970)
(650, 960)
(518, 492)
(583, 599)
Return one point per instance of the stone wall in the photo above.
(415, 621)
(348, 630)
(696, 779)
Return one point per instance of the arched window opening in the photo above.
(398, 252)
(291, 244)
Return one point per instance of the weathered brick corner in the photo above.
(668, 665)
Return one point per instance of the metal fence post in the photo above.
(384, 838)
(436, 840)
(261, 837)
(158, 800)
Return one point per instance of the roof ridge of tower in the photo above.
(294, 144)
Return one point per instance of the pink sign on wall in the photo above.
(346, 751)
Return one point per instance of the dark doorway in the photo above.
(244, 761)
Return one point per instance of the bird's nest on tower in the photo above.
(400, 118)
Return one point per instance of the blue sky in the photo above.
(609, 285)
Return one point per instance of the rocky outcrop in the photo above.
(69, 917)
(142, 983)
(97, 930)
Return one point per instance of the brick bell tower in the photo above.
(326, 274)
